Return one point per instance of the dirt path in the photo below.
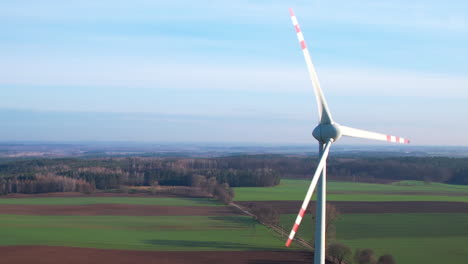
(70, 255)
(114, 209)
(277, 229)
(292, 207)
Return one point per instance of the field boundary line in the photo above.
(277, 229)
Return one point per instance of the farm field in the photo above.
(292, 190)
(410, 238)
(366, 207)
(205, 231)
(407, 219)
(403, 219)
(139, 232)
(165, 201)
(72, 255)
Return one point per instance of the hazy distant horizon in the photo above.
(311, 144)
(49, 126)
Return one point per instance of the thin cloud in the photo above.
(270, 78)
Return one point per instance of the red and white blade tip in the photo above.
(296, 226)
(291, 12)
(395, 139)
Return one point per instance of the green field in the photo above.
(161, 233)
(291, 190)
(139, 232)
(113, 200)
(410, 238)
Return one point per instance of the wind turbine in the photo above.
(326, 133)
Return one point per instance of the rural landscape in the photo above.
(182, 132)
(234, 208)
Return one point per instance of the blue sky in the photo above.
(225, 71)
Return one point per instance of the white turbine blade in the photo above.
(323, 111)
(313, 184)
(359, 133)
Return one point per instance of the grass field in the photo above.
(291, 190)
(139, 232)
(410, 238)
(113, 200)
(160, 233)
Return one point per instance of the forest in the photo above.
(87, 175)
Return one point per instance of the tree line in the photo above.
(236, 171)
(342, 254)
(360, 169)
(221, 191)
(112, 173)
(43, 184)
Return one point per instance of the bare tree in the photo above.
(265, 214)
(332, 216)
(198, 181)
(340, 252)
(364, 256)
(386, 259)
(211, 185)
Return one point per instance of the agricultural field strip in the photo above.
(401, 186)
(347, 191)
(130, 232)
(395, 198)
(427, 250)
(259, 196)
(366, 207)
(407, 236)
(113, 200)
(164, 233)
(350, 226)
(115, 209)
(74, 255)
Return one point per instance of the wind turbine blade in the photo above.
(323, 111)
(313, 184)
(359, 133)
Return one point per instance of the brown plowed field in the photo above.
(96, 194)
(114, 209)
(70, 255)
(292, 207)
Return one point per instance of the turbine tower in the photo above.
(326, 133)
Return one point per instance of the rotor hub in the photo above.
(325, 132)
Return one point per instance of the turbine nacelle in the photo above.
(326, 132)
